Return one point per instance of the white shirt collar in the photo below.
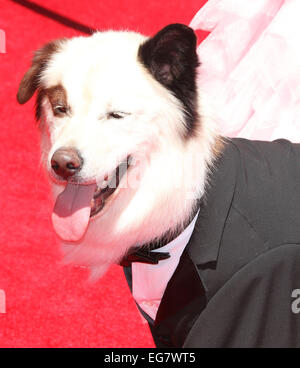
(149, 281)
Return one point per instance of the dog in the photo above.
(105, 99)
(131, 157)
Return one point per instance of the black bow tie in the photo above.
(144, 256)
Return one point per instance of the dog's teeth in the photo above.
(130, 160)
(104, 184)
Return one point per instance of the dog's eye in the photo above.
(116, 115)
(60, 110)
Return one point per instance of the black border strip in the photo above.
(68, 22)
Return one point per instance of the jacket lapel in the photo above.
(182, 302)
(181, 290)
(214, 208)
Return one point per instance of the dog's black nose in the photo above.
(66, 162)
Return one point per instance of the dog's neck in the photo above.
(167, 237)
(171, 234)
(144, 252)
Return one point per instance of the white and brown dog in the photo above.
(122, 138)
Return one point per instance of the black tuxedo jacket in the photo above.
(236, 282)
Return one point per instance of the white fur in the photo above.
(102, 74)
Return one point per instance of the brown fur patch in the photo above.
(30, 81)
(57, 96)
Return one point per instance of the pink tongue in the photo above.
(71, 214)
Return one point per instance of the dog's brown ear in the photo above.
(30, 81)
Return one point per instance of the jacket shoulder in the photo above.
(256, 307)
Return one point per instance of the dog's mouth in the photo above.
(107, 187)
(79, 202)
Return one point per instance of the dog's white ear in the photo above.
(31, 79)
(171, 55)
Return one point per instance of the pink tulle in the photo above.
(250, 66)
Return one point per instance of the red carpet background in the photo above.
(48, 304)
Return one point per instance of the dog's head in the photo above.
(119, 119)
